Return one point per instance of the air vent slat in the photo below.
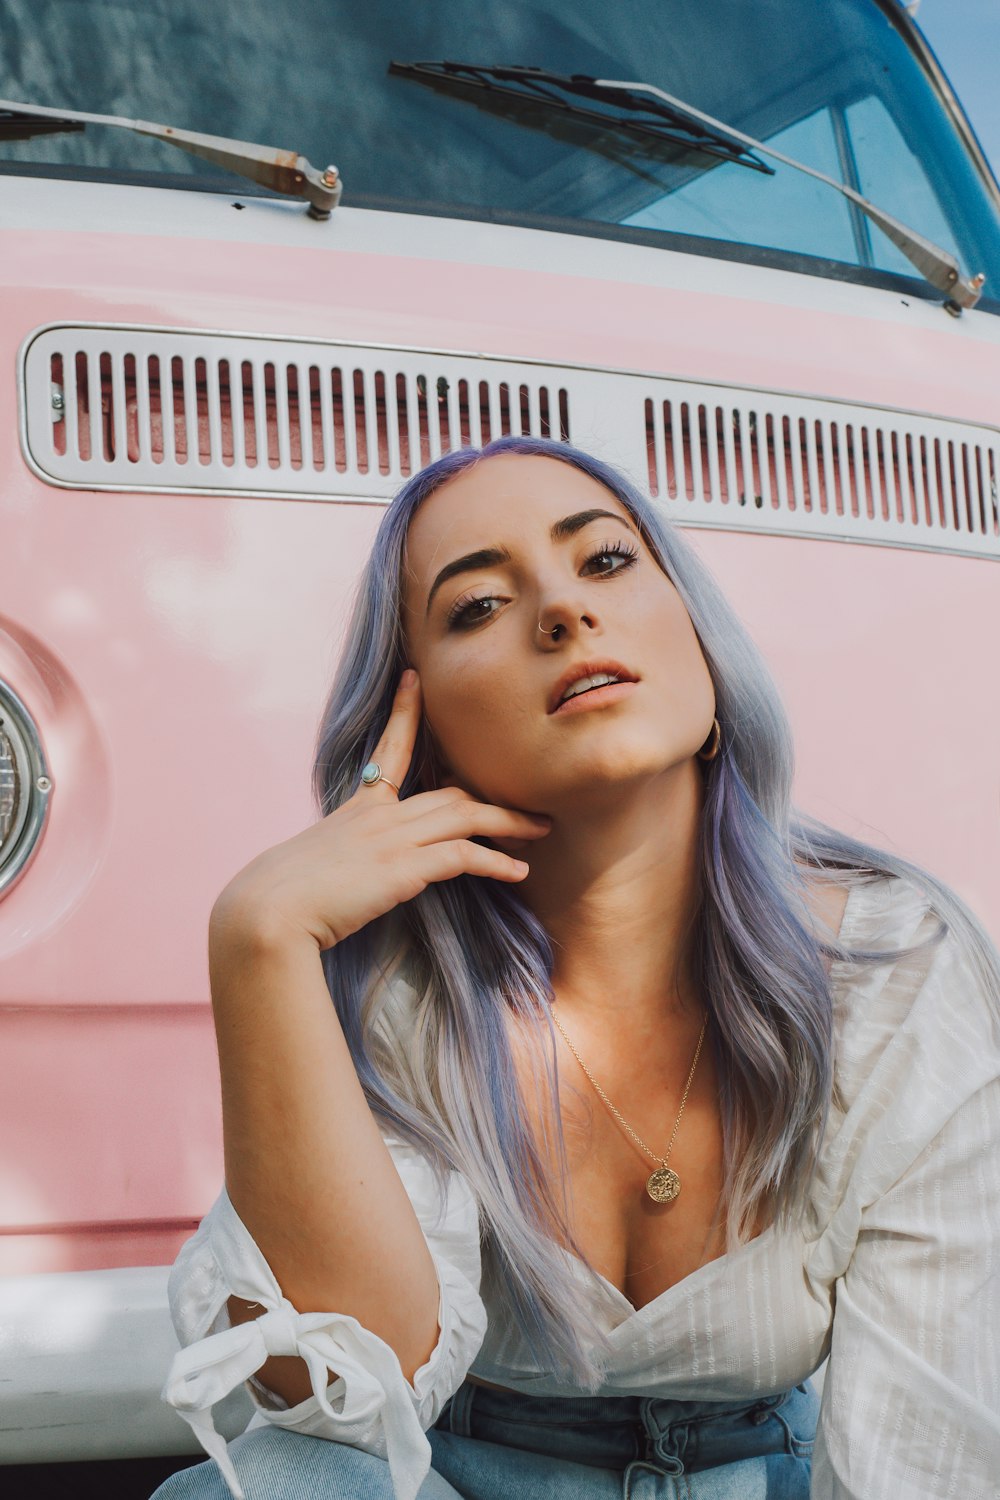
(364, 421)
(921, 501)
(237, 416)
(192, 423)
(982, 474)
(437, 417)
(468, 394)
(309, 416)
(493, 406)
(116, 423)
(279, 417)
(146, 409)
(254, 426)
(167, 416)
(533, 412)
(95, 437)
(394, 418)
(844, 497)
(323, 405)
(965, 490)
(217, 446)
(724, 424)
(879, 509)
(828, 472)
(68, 415)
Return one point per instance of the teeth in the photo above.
(584, 684)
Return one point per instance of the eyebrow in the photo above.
(491, 557)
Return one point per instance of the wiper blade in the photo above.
(282, 171)
(15, 125)
(673, 123)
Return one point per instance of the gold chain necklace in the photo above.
(663, 1185)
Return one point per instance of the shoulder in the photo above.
(915, 1037)
(930, 979)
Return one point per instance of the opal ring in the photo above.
(372, 774)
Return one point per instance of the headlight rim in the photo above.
(19, 727)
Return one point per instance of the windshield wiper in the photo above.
(936, 265)
(673, 123)
(282, 171)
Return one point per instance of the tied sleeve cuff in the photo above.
(370, 1373)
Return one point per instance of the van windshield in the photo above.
(835, 85)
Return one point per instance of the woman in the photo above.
(637, 1098)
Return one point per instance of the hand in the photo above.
(375, 851)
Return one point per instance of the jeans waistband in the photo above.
(614, 1431)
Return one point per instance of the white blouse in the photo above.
(895, 1273)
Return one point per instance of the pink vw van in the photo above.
(574, 220)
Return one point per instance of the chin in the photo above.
(609, 773)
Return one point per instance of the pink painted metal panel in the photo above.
(112, 1134)
(176, 650)
(534, 313)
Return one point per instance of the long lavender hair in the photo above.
(466, 955)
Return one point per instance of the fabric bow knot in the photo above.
(204, 1373)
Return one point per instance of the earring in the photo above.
(716, 740)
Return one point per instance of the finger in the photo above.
(460, 857)
(394, 750)
(467, 818)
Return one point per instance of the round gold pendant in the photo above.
(663, 1185)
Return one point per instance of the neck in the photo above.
(616, 886)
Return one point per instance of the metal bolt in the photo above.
(330, 176)
(44, 784)
(979, 281)
(58, 401)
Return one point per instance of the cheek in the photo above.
(690, 684)
(478, 719)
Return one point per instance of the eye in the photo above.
(469, 610)
(613, 557)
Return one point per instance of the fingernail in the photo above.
(521, 865)
(408, 678)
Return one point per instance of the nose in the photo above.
(562, 620)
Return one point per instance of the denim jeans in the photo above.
(496, 1445)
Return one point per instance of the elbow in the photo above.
(287, 1376)
(284, 1375)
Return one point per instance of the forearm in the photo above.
(306, 1167)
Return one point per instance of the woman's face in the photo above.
(516, 541)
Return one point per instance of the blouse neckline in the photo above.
(720, 1263)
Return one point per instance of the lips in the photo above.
(587, 669)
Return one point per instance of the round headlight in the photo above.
(25, 787)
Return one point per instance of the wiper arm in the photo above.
(283, 171)
(674, 123)
(936, 265)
